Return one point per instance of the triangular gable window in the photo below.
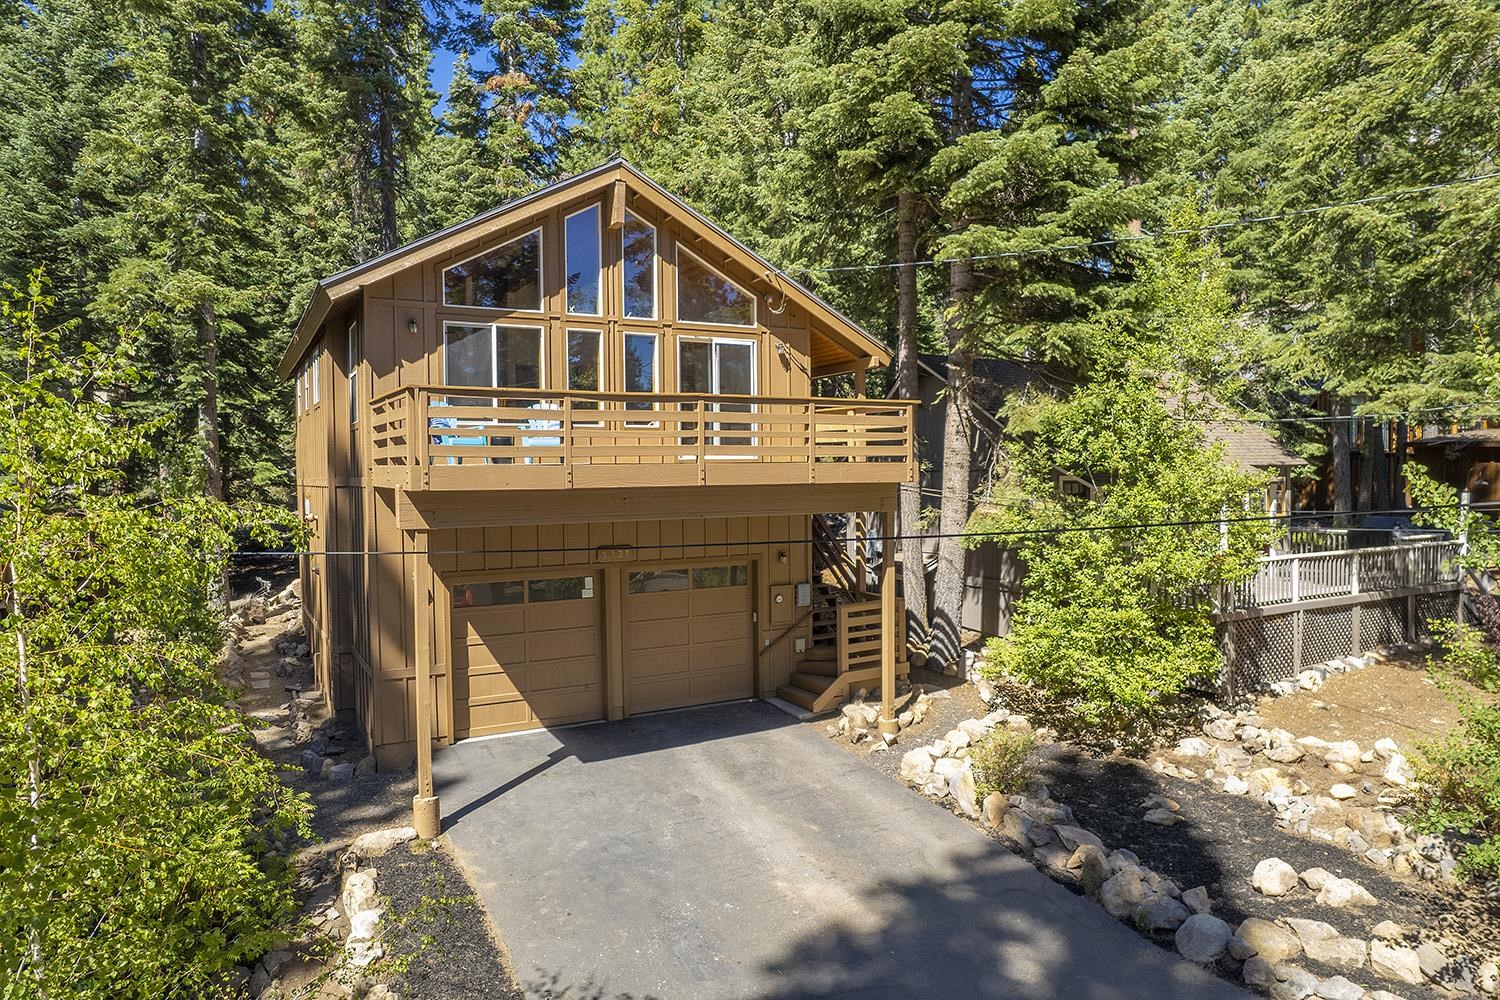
(507, 277)
(706, 296)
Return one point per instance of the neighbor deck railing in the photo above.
(464, 437)
(1293, 578)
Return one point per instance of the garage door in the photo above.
(526, 654)
(688, 636)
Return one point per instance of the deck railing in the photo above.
(859, 634)
(1296, 577)
(428, 437)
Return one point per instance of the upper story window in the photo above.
(706, 296)
(638, 264)
(507, 277)
(500, 356)
(581, 247)
(353, 372)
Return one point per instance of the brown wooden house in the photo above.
(560, 462)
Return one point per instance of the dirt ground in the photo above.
(1395, 698)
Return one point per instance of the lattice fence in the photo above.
(1262, 650)
(1433, 606)
(1327, 634)
(1382, 623)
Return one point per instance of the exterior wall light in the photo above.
(411, 326)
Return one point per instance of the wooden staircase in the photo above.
(844, 652)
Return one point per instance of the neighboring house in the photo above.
(1464, 459)
(578, 439)
(993, 574)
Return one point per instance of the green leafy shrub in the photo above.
(1002, 762)
(1459, 784)
(137, 821)
(1464, 651)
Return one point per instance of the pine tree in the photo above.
(187, 179)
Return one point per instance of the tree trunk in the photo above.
(1343, 481)
(1398, 461)
(913, 562)
(958, 433)
(206, 323)
(1367, 446)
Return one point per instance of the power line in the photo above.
(1322, 418)
(1291, 519)
(1139, 237)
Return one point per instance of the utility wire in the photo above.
(1138, 237)
(1303, 516)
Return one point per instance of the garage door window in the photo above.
(479, 595)
(560, 588)
(658, 581)
(721, 576)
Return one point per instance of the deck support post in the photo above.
(889, 636)
(427, 816)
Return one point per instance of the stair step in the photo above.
(816, 683)
(797, 696)
(821, 653)
(823, 668)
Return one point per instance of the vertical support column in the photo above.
(427, 817)
(889, 634)
(859, 527)
(859, 384)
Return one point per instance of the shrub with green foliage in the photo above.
(1463, 651)
(1459, 785)
(136, 818)
(1002, 762)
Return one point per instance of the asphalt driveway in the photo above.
(729, 852)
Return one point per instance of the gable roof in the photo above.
(343, 285)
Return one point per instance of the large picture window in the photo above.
(640, 366)
(581, 245)
(638, 264)
(706, 296)
(507, 357)
(507, 277)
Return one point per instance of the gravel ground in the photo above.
(955, 701)
(439, 932)
(1219, 844)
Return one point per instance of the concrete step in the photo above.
(797, 696)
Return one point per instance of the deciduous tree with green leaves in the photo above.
(136, 818)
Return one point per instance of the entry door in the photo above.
(719, 366)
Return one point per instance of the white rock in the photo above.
(1322, 942)
(1386, 748)
(1316, 878)
(1292, 983)
(1270, 941)
(1342, 892)
(359, 890)
(1310, 680)
(1487, 977)
(1346, 752)
(1286, 753)
(1196, 899)
(1220, 729)
(1274, 877)
(1398, 771)
(1162, 817)
(364, 924)
(1342, 791)
(1202, 938)
(1339, 988)
(916, 765)
(1395, 961)
(1123, 891)
(956, 738)
(1388, 930)
(1268, 781)
(379, 842)
(1160, 913)
(1258, 972)
(974, 728)
(964, 791)
(1193, 747)
(363, 953)
(1073, 837)
(1235, 785)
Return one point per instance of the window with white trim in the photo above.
(581, 248)
(706, 296)
(640, 367)
(506, 277)
(638, 266)
(354, 359)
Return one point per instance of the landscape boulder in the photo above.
(1202, 937)
(1271, 941)
(1394, 961)
(1343, 892)
(1160, 913)
(1274, 877)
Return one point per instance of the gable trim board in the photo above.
(612, 179)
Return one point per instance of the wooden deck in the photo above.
(1295, 578)
(460, 438)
